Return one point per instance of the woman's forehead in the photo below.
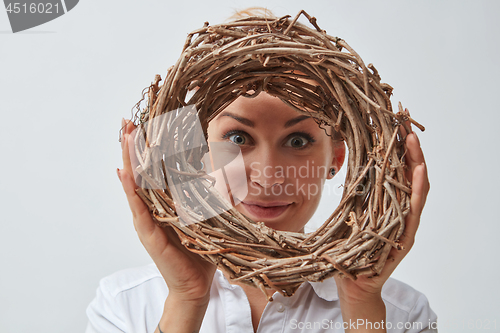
(265, 112)
(262, 106)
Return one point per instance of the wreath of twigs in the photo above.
(281, 57)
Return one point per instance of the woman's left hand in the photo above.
(366, 290)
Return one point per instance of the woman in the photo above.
(185, 293)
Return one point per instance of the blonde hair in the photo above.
(252, 11)
(263, 12)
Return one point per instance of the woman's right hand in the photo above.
(187, 275)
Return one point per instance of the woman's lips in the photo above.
(266, 210)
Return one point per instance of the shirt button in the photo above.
(281, 307)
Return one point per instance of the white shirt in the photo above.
(132, 301)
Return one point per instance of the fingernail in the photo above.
(118, 173)
(123, 122)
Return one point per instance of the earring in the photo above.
(332, 172)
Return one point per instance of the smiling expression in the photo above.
(287, 158)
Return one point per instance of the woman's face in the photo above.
(286, 156)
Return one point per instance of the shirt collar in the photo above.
(327, 289)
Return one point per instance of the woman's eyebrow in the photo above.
(244, 121)
(294, 121)
(248, 122)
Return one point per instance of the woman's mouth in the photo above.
(265, 210)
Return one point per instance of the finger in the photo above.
(127, 164)
(143, 222)
(420, 189)
(414, 156)
(404, 133)
(129, 157)
(154, 238)
(407, 126)
(139, 209)
(122, 129)
(128, 126)
(403, 130)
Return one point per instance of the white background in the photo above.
(65, 85)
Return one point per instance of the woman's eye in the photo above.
(297, 142)
(237, 138)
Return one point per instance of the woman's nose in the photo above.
(266, 170)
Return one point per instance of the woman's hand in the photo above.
(187, 275)
(365, 292)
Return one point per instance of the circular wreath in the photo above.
(281, 57)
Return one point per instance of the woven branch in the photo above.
(281, 57)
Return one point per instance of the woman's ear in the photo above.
(338, 156)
